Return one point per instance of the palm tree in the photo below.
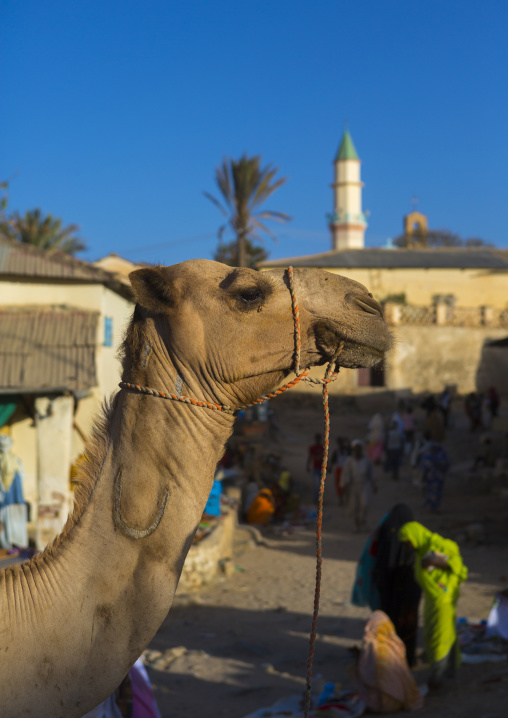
(43, 232)
(244, 186)
(227, 253)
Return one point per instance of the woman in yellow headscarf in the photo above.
(439, 571)
(262, 508)
(383, 677)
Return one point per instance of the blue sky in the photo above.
(114, 114)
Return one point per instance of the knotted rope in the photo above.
(331, 374)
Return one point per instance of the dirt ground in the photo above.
(241, 643)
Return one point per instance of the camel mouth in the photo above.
(356, 353)
(359, 356)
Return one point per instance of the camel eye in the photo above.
(249, 296)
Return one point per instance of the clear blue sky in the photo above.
(115, 113)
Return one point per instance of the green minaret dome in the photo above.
(346, 150)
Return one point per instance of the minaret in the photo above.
(347, 221)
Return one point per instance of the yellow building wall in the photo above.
(81, 296)
(471, 287)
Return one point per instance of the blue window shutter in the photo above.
(108, 331)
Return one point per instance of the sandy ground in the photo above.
(241, 643)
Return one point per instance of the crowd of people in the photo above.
(406, 444)
(391, 441)
(402, 560)
(403, 563)
(407, 438)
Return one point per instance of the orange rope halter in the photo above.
(331, 374)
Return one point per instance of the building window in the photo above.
(108, 331)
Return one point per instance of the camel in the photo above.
(78, 615)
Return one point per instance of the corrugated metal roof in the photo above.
(23, 260)
(44, 348)
(457, 258)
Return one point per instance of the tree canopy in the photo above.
(244, 186)
(438, 238)
(227, 253)
(45, 232)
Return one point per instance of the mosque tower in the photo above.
(347, 221)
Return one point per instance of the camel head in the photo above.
(227, 335)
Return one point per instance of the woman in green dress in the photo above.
(439, 571)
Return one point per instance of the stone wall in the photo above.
(211, 556)
(428, 358)
(441, 345)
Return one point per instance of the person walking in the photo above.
(338, 459)
(358, 481)
(434, 465)
(375, 438)
(315, 463)
(439, 570)
(445, 402)
(434, 424)
(473, 406)
(385, 578)
(409, 421)
(394, 449)
(492, 401)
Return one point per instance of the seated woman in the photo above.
(285, 500)
(383, 677)
(439, 571)
(262, 508)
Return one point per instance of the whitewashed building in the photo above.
(61, 323)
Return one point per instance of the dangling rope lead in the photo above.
(331, 374)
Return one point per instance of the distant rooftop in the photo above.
(119, 266)
(442, 258)
(19, 260)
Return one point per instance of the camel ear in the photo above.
(153, 289)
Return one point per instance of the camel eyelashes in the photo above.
(246, 288)
(250, 296)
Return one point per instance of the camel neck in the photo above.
(159, 469)
(102, 578)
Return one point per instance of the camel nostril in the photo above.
(369, 305)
